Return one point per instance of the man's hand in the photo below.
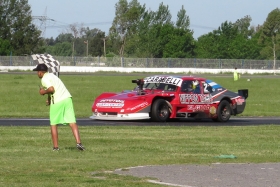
(48, 102)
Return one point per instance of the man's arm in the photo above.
(50, 90)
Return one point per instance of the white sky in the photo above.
(205, 15)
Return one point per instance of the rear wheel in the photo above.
(223, 112)
(160, 111)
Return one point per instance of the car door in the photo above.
(192, 97)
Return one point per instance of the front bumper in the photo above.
(132, 116)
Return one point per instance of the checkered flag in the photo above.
(51, 63)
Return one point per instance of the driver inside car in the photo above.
(171, 87)
(187, 86)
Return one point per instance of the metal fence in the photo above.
(147, 62)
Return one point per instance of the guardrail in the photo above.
(148, 62)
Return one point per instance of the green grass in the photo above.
(27, 158)
(20, 96)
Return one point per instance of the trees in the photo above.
(183, 21)
(181, 44)
(60, 49)
(217, 44)
(144, 33)
(67, 37)
(127, 15)
(17, 29)
(243, 26)
(5, 47)
(158, 32)
(96, 43)
(270, 36)
(79, 41)
(147, 33)
(230, 41)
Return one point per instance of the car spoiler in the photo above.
(243, 92)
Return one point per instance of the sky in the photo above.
(205, 15)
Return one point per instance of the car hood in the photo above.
(132, 101)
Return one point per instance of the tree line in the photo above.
(141, 33)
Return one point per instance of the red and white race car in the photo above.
(164, 97)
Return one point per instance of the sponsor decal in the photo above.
(141, 105)
(166, 80)
(110, 105)
(195, 98)
(212, 110)
(196, 108)
(111, 101)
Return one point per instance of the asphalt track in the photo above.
(213, 175)
(234, 121)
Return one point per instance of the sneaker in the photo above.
(55, 149)
(80, 147)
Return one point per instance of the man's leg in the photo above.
(75, 131)
(76, 134)
(54, 135)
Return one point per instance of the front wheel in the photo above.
(160, 111)
(223, 112)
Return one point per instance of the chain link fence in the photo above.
(148, 62)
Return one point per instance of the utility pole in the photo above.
(73, 50)
(104, 41)
(43, 20)
(274, 57)
(86, 42)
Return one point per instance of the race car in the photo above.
(164, 97)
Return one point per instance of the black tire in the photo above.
(224, 111)
(160, 111)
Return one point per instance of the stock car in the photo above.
(164, 97)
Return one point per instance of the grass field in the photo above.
(20, 92)
(27, 158)
(26, 153)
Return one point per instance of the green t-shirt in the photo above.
(60, 91)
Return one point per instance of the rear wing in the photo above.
(244, 93)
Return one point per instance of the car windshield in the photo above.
(160, 86)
